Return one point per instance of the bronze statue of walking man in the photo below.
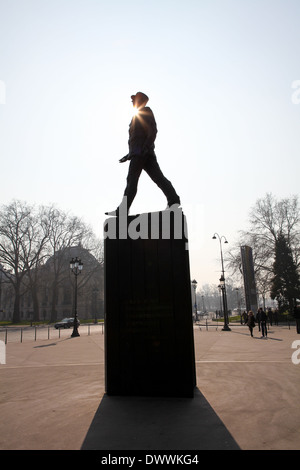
(142, 135)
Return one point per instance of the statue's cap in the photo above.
(141, 96)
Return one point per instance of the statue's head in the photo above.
(139, 100)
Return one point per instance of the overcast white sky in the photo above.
(220, 77)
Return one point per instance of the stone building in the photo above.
(49, 293)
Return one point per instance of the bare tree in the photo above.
(269, 219)
(21, 246)
(38, 235)
(64, 231)
(35, 250)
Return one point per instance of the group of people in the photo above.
(261, 319)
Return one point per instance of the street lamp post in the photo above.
(194, 285)
(76, 268)
(224, 298)
(222, 284)
(220, 297)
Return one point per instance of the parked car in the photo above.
(66, 323)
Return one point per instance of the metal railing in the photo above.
(206, 324)
(33, 333)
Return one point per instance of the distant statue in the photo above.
(142, 134)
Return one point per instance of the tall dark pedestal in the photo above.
(149, 344)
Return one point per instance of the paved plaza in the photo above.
(247, 397)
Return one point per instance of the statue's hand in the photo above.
(124, 159)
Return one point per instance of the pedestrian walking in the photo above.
(297, 318)
(251, 322)
(263, 322)
(270, 316)
(258, 318)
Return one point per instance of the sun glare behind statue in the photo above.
(135, 111)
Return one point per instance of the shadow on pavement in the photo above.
(258, 337)
(146, 423)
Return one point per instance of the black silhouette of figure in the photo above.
(258, 318)
(251, 322)
(270, 316)
(142, 135)
(297, 318)
(263, 322)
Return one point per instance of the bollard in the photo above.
(21, 335)
(35, 333)
(6, 336)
